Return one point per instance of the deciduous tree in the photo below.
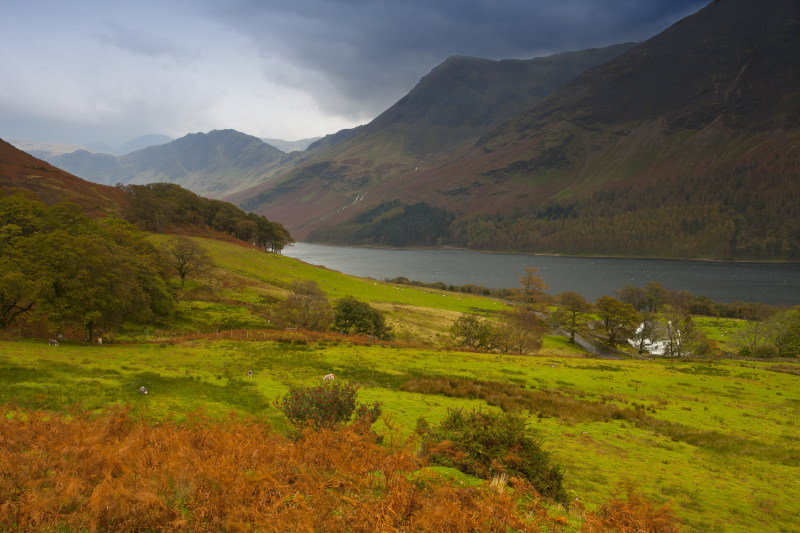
(518, 331)
(617, 318)
(307, 307)
(352, 315)
(572, 312)
(186, 257)
(471, 331)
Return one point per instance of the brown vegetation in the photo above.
(116, 473)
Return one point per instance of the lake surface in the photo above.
(773, 284)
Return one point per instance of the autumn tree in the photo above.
(571, 313)
(186, 257)
(636, 296)
(618, 319)
(757, 330)
(533, 286)
(656, 296)
(519, 331)
(307, 306)
(471, 331)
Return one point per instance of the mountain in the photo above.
(141, 142)
(450, 108)
(42, 150)
(212, 164)
(291, 146)
(22, 171)
(685, 146)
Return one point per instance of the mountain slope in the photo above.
(686, 146)
(450, 108)
(212, 164)
(21, 171)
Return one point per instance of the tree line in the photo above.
(63, 269)
(391, 224)
(165, 206)
(740, 213)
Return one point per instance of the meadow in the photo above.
(717, 439)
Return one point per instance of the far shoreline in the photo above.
(540, 254)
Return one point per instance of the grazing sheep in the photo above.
(329, 377)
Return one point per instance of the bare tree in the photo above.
(186, 257)
(307, 307)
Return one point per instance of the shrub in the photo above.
(631, 512)
(352, 315)
(487, 444)
(326, 405)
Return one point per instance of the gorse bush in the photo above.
(325, 405)
(487, 444)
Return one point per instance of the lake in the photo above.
(770, 283)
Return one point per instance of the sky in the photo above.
(87, 71)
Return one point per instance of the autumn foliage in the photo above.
(115, 473)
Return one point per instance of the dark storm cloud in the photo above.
(370, 53)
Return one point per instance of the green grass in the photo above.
(245, 284)
(719, 440)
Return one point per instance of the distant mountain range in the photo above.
(685, 145)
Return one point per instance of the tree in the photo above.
(60, 266)
(307, 307)
(17, 293)
(618, 319)
(518, 331)
(656, 296)
(787, 328)
(186, 257)
(645, 334)
(633, 295)
(533, 286)
(471, 331)
(92, 282)
(352, 315)
(572, 313)
(757, 331)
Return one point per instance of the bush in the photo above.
(352, 315)
(486, 444)
(326, 405)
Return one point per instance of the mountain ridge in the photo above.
(695, 120)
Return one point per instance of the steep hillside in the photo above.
(686, 146)
(19, 170)
(450, 108)
(213, 164)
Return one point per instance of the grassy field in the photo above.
(720, 440)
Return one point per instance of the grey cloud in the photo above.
(143, 43)
(373, 52)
